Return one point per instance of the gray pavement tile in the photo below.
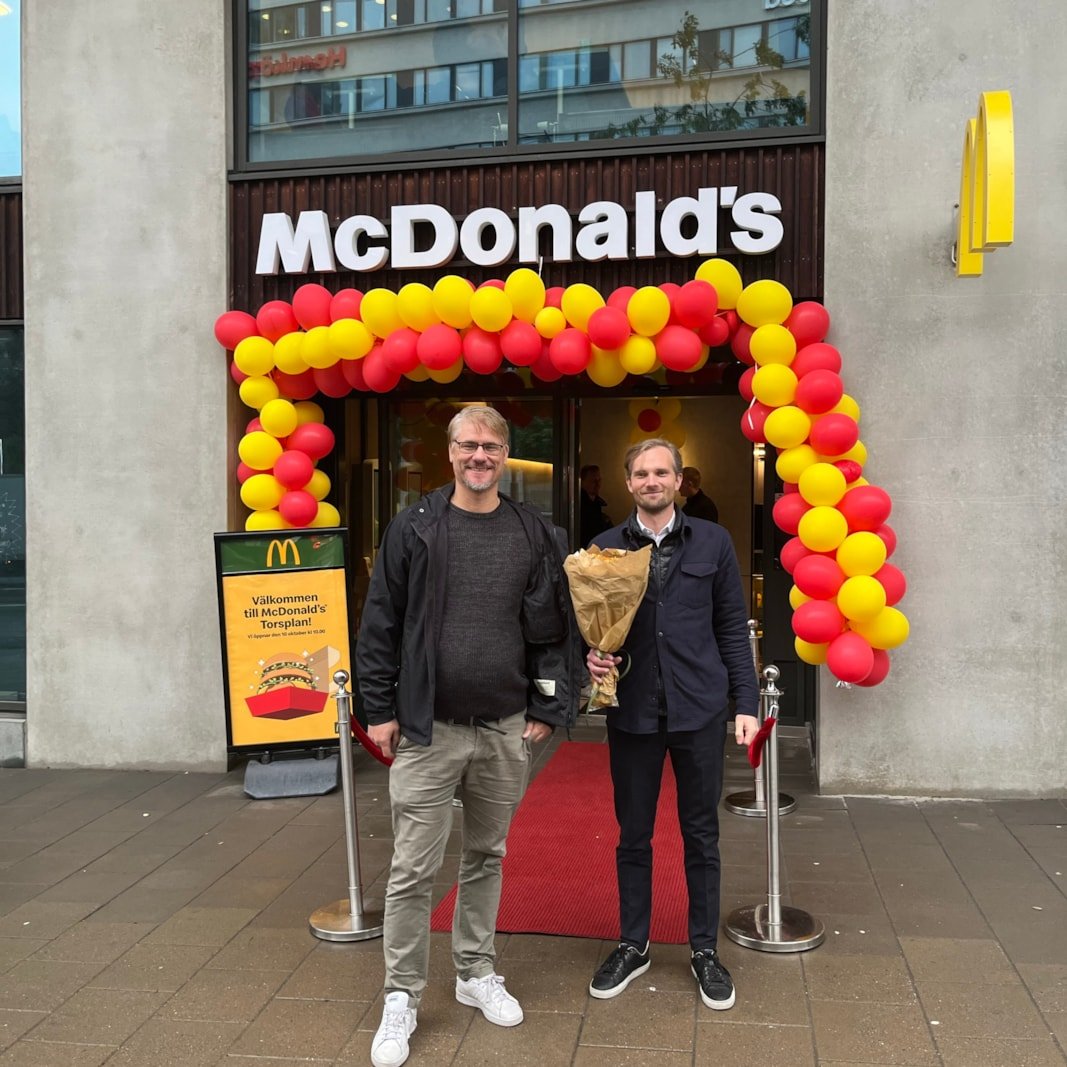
(176, 1043)
(947, 959)
(642, 1019)
(223, 996)
(723, 1041)
(142, 905)
(298, 1029)
(858, 935)
(857, 978)
(154, 967)
(13, 949)
(39, 921)
(13, 1024)
(1047, 983)
(998, 1052)
(262, 949)
(542, 1040)
(90, 942)
(871, 1033)
(592, 1056)
(996, 1009)
(98, 1016)
(52, 1053)
(336, 971)
(201, 926)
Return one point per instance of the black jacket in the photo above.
(689, 639)
(397, 644)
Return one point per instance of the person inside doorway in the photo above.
(592, 519)
(698, 505)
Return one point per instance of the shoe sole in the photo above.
(607, 994)
(715, 1005)
(394, 1063)
(472, 1002)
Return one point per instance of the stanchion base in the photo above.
(797, 932)
(335, 922)
(745, 804)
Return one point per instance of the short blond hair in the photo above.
(480, 415)
(644, 446)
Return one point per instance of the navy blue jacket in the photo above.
(693, 631)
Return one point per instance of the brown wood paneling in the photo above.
(10, 253)
(793, 173)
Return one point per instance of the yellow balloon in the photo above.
(452, 301)
(418, 374)
(579, 302)
(860, 597)
(308, 411)
(822, 529)
(259, 449)
(327, 515)
(265, 520)
(350, 338)
(774, 385)
(414, 305)
(491, 309)
(318, 484)
(379, 312)
(796, 598)
(669, 408)
(278, 417)
(846, 406)
(772, 344)
(675, 434)
(526, 292)
(449, 374)
(257, 390)
(648, 310)
(725, 278)
(809, 653)
(888, 629)
(857, 453)
(254, 355)
(550, 321)
(317, 350)
(861, 553)
(261, 492)
(605, 368)
(764, 302)
(638, 356)
(289, 353)
(821, 483)
(787, 427)
(792, 463)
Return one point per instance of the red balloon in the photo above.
(817, 621)
(253, 424)
(438, 348)
(752, 421)
(314, 438)
(696, 304)
(879, 671)
(554, 296)
(377, 373)
(621, 297)
(732, 320)
(236, 373)
(818, 391)
(608, 327)
(818, 576)
(865, 507)
(302, 386)
(331, 380)
(793, 551)
(715, 333)
(678, 348)
(893, 582)
(244, 472)
(808, 322)
(311, 305)
(275, 319)
(834, 434)
(543, 367)
(293, 469)
(400, 349)
(232, 327)
(816, 357)
(649, 420)
(787, 511)
(570, 351)
(493, 283)
(520, 343)
(790, 487)
(849, 468)
(345, 304)
(887, 534)
(744, 384)
(352, 369)
(850, 657)
(298, 507)
(482, 351)
(739, 344)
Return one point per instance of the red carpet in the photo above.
(559, 873)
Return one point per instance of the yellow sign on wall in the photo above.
(987, 184)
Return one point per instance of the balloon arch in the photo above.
(844, 591)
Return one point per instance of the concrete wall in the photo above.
(125, 118)
(961, 384)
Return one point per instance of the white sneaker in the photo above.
(489, 994)
(390, 1045)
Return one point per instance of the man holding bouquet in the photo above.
(689, 653)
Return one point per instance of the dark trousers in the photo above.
(636, 772)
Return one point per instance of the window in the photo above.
(12, 520)
(10, 91)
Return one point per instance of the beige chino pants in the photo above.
(490, 765)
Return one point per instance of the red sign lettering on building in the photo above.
(269, 66)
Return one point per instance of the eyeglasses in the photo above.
(490, 448)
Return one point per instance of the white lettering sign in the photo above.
(686, 226)
(770, 5)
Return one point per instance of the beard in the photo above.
(655, 504)
(480, 487)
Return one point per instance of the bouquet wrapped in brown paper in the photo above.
(607, 586)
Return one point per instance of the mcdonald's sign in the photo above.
(282, 549)
(986, 219)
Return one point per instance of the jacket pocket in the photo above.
(697, 581)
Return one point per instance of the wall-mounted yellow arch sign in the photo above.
(987, 184)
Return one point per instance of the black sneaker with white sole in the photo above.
(716, 985)
(616, 972)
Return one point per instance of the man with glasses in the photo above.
(467, 653)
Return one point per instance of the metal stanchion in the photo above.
(772, 927)
(753, 802)
(345, 920)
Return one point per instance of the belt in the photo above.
(483, 723)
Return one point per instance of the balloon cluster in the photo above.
(844, 592)
(657, 418)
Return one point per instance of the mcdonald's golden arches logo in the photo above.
(987, 184)
(282, 548)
